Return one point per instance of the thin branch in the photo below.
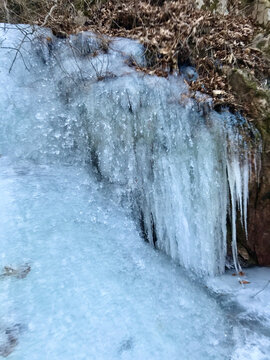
(268, 282)
(49, 14)
(18, 51)
(7, 11)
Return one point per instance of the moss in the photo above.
(257, 99)
(262, 42)
(214, 5)
(211, 5)
(244, 82)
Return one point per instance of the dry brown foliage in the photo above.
(173, 33)
(176, 33)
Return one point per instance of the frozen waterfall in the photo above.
(77, 101)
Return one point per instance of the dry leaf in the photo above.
(218, 92)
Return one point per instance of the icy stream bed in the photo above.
(96, 290)
(95, 159)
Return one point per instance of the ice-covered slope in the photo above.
(96, 290)
(81, 132)
(77, 101)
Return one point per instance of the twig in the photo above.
(7, 11)
(49, 14)
(268, 282)
(18, 51)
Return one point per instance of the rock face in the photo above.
(262, 12)
(262, 42)
(260, 9)
(259, 205)
(213, 5)
(258, 242)
(259, 220)
(245, 87)
(19, 273)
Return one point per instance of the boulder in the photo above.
(219, 6)
(246, 88)
(262, 12)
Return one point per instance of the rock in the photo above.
(219, 6)
(262, 12)
(243, 253)
(59, 34)
(126, 345)
(245, 259)
(20, 273)
(247, 90)
(260, 9)
(259, 210)
(262, 42)
(9, 339)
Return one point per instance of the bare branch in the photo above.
(6, 10)
(49, 13)
(257, 293)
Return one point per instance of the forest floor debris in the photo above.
(174, 33)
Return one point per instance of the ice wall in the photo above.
(77, 100)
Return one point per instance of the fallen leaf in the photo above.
(244, 282)
(218, 92)
(241, 273)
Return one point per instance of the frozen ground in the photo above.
(250, 307)
(77, 282)
(96, 290)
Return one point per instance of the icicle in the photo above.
(245, 194)
(232, 185)
(167, 159)
(238, 179)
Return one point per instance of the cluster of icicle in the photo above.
(243, 161)
(71, 101)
